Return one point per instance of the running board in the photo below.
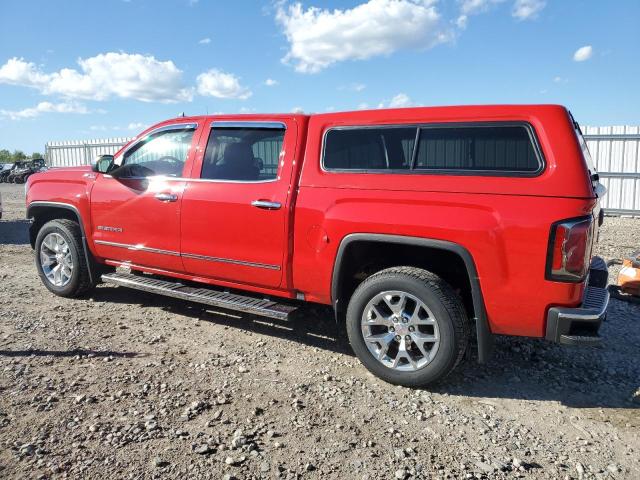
(207, 296)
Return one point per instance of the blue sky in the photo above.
(77, 69)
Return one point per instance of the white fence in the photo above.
(81, 152)
(615, 151)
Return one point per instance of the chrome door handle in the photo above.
(266, 205)
(167, 197)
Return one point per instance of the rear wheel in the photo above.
(407, 326)
(60, 258)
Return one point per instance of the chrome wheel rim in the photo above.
(400, 331)
(56, 260)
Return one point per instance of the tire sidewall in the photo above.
(447, 351)
(70, 288)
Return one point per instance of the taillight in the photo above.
(569, 250)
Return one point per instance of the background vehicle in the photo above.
(6, 171)
(417, 225)
(24, 169)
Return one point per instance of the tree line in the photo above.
(7, 157)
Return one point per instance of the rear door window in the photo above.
(246, 154)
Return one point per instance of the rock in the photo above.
(159, 462)
(517, 462)
(234, 461)
(27, 449)
(80, 398)
(202, 449)
(401, 474)
(309, 467)
(150, 425)
(579, 470)
(613, 468)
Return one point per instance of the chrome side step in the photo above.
(207, 296)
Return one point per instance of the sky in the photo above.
(81, 70)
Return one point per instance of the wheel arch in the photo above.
(40, 212)
(339, 282)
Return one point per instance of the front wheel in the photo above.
(407, 326)
(60, 258)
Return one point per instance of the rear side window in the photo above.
(457, 149)
(388, 148)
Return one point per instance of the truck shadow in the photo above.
(14, 232)
(520, 369)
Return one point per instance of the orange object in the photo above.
(629, 276)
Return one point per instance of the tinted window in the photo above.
(369, 148)
(492, 148)
(162, 153)
(244, 154)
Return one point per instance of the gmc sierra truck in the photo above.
(421, 227)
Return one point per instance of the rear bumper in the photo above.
(580, 325)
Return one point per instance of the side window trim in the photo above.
(165, 128)
(424, 171)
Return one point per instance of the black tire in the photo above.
(442, 300)
(80, 278)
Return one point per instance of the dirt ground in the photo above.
(125, 384)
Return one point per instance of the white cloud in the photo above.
(297, 110)
(527, 9)
(583, 53)
(521, 9)
(319, 37)
(44, 107)
(472, 7)
(362, 106)
(559, 79)
(138, 126)
(399, 101)
(215, 83)
(107, 75)
(270, 82)
(204, 41)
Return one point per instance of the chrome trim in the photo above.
(197, 180)
(228, 260)
(166, 197)
(137, 248)
(173, 126)
(252, 124)
(214, 180)
(187, 255)
(266, 204)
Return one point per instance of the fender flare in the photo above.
(67, 206)
(483, 331)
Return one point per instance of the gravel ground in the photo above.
(130, 385)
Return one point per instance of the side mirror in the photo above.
(103, 164)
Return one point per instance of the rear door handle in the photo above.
(266, 205)
(166, 197)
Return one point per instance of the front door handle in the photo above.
(266, 205)
(166, 197)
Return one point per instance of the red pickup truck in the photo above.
(421, 227)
